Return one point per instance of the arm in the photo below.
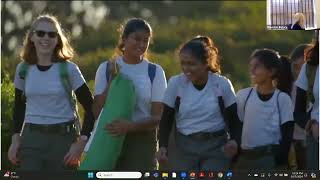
(19, 110)
(100, 90)
(72, 158)
(165, 126)
(235, 125)
(98, 102)
(285, 142)
(300, 114)
(18, 118)
(156, 111)
(85, 98)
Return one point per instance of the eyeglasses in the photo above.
(41, 33)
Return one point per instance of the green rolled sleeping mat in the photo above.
(102, 150)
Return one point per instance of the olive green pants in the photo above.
(312, 153)
(44, 151)
(138, 152)
(204, 154)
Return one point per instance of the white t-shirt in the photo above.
(145, 94)
(261, 121)
(47, 100)
(302, 82)
(199, 110)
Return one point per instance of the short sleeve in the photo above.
(75, 77)
(100, 82)
(229, 96)
(18, 82)
(171, 92)
(302, 81)
(159, 85)
(287, 110)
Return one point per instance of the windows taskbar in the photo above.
(85, 175)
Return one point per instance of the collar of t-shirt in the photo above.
(265, 97)
(43, 68)
(199, 87)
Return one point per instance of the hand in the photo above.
(161, 155)
(230, 148)
(315, 130)
(308, 126)
(119, 127)
(13, 149)
(72, 158)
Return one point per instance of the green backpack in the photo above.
(64, 77)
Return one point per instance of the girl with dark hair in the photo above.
(199, 101)
(298, 148)
(150, 83)
(266, 112)
(308, 92)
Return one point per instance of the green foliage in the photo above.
(7, 103)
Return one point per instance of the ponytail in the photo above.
(212, 57)
(284, 75)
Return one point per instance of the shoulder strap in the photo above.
(63, 71)
(245, 102)
(108, 71)
(310, 73)
(151, 71)
(64, 77)
(23, 71)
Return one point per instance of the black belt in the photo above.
(207, 135)
(60, 128)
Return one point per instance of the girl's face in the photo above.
(259, 74)
(45, 38)
(193, 68)
(137, 43)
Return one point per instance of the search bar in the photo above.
(118, 175)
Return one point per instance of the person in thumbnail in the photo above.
(298, 22)
(45, 132)
(266, 112)
(299, 134)
(140, 142)
(308, 92)
(202, 106)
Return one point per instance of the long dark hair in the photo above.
(312, 54)
(272, 60)
(132, 25)
(203, 49)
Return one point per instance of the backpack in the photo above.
(64, 77)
